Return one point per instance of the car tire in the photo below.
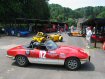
(60, 38)
(22, 61)
(72, 63)
(70, 34)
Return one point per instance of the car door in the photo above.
(45, 53)
(34, 53)
(45, 56)
(49, 56)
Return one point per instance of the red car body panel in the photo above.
(75, 52)
(19, 50)
(60, 53)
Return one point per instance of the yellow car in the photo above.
(40, 37)
(76, 34)
(56, 37)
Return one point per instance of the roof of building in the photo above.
(94, 22)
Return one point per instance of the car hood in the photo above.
(69, 49)
(72, 51)
(17, 48)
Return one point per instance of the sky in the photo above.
(74, 4)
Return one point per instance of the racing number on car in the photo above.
(42, 54)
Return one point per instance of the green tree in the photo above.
(36, 9)
(62, 14)
(56, 12)
(90, 12)
(97, 10)
(71, 22)
(101, 15)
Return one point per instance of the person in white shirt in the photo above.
(88, 37)
(72, 28)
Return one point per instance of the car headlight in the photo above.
(82, 51)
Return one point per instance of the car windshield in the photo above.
(51, 45)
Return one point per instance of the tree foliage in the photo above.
(57, 11)
(35, 9)
(90, 12)
(63, 14)
(40, 9)
(71, 22)
(101, 15)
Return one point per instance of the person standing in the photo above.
(65, 28)
(72, 28)
(88, 37)
(58, 28)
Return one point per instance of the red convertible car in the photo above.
(49, 53)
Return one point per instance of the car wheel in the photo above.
(70, 34)
(18, 34)
(43, 40)
(22, 61)
(60, 38)
(72, 63)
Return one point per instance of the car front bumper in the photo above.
(12, 57)
(85, 60)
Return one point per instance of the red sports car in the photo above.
(49, 53)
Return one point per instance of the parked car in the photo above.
(40, 37)
(16, 31)
(98, 37)
(104, 46)
(76, 34)
(56, 37)
(49, 53)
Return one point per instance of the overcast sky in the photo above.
(74, 4)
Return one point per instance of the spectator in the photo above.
(72, 28)
(65, 28)
(88, 37)
(59, 29)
